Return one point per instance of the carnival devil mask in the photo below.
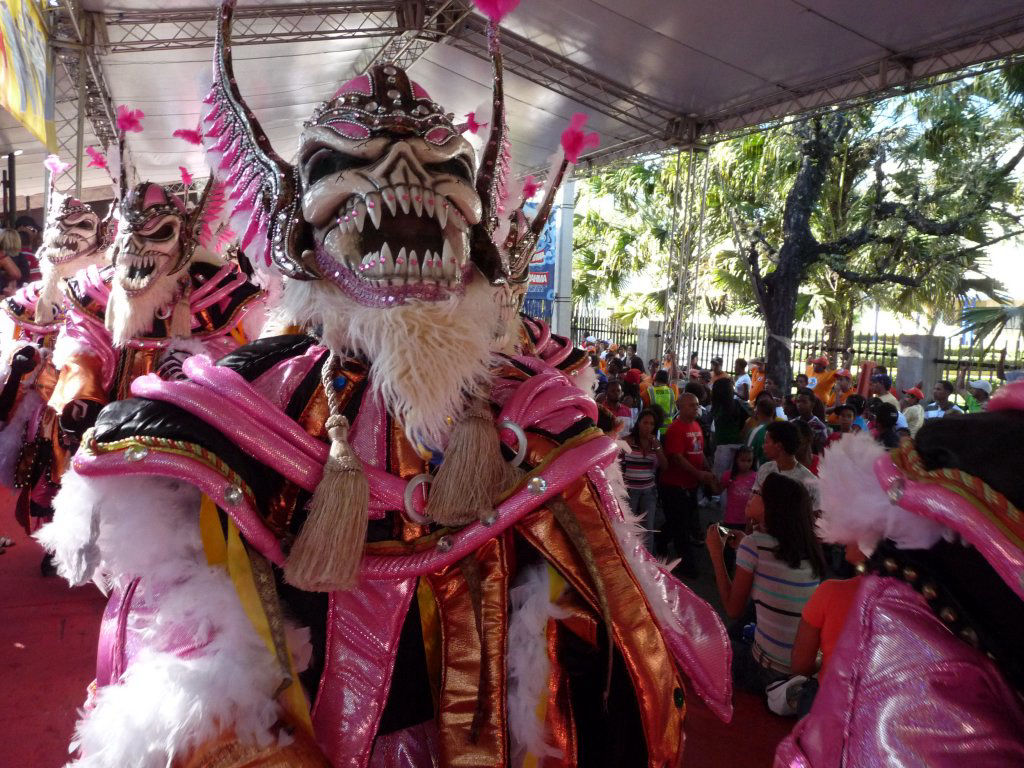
(387, 192)
(152, 241)
(72, 237)
(385, 203)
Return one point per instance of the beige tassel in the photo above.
(326, 554)
(473, 473)
(181, 318)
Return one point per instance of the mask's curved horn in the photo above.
(264, 189)
(491, 177)
(193, 223)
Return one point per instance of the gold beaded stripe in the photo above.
(174, 447)
(979, 494)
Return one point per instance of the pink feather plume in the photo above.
(186, 177)
(192, 137)
(55, 165)
(96, 158)
(530, 187)
(129, 120)
(472, 125)
(574, 141)
(496, 10)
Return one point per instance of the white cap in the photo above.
(981, 384)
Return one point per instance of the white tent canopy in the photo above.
(648, 72)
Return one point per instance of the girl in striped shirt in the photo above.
(778, 566)
(639, 466)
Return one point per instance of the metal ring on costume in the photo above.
(516, 430)
(410, 489)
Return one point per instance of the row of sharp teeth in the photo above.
(397, 269)
(145, 264)
(400, 197)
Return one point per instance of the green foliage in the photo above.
(989, 321)
(923, 183)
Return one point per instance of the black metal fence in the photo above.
(748, 341)
(600, 327)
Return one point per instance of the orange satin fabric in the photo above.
(655, 677)
(461, 656)
(81, 378)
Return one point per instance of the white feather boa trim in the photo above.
(528, 662)
(114, 529)
(855, 508)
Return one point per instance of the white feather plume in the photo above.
(855, 508)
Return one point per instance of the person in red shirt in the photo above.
(681, 480)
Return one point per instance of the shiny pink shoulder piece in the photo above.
(901, 689)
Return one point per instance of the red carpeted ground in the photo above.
(47, 654)
(48, 642)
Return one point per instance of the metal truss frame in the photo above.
(81, 91)
(409, 27)
(164, 30)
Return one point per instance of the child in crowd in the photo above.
(913, 411)
(858, 403)
(737, 484)
(845, 414)
(821, 624)
(886, 417)
(778, 566)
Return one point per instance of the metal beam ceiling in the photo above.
(410, 27)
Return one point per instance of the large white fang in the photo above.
(402, 192)
(415, 270)
(387, 261)
(402, 257)
(448, 260)
(360, 215)
(417, 200)
(428, 202)
(373, 206)
(442, 213)
(389, 200)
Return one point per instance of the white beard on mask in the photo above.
(425, 357)
(128, 317)
(51, 298)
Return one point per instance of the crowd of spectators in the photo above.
(746, 448)
(18, 261)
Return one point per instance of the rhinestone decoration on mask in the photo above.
(141, 260)
(397, 180)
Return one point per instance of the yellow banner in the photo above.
(26, 77)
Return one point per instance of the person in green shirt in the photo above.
(975, 393)
(764, 414)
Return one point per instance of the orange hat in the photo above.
(916, 393)
(843, 373)
(819, 360)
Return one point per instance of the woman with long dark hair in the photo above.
(779, 566)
